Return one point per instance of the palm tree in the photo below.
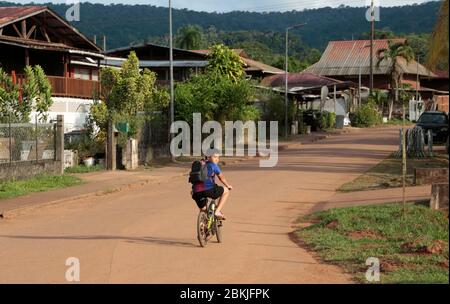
(393, 54)
(438, 53)
(189, 37)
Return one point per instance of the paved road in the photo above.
(147, 234)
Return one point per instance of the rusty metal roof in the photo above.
(345, 58)
(299, 80)
(10, 14)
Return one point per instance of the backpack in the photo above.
(199, 172)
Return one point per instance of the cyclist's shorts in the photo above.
(213, 193)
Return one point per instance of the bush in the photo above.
(318, 120)
(366, 116)
(327, 120)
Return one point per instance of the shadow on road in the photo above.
(142, 240)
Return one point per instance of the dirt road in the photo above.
(147, 234)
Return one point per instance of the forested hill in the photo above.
(124, 24)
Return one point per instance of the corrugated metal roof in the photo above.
(114, 62)
(299, 80)
(344, 58)
(9, 14)
(12, 14)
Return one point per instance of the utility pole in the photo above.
(372, 34)
(172, 108)
(286, 97)
(417, 80)
(286, 89)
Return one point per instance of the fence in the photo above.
(27, 142)
(27, 149)
(153, 138)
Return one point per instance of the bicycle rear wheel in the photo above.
(202, 229)
(218, 229)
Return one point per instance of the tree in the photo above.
(217, 97)
(379, 98)
(125, 93)
(189, 37)
(226, 62)
(393, 54)
(439, 40)
(17, 101)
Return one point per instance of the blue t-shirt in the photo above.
(213, 170)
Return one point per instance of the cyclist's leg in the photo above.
(223, 199)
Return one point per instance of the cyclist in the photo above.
(209, 188)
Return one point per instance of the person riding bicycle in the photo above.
(209, 188)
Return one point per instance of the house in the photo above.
(156, 58)
(36, 35)
(254, 69)
(306, 88)
(347, 60)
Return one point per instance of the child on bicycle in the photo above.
(209, 188)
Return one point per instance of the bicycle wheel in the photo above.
(218, 229)
(202, 229)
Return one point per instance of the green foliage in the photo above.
(190, 37)
(125, 94)
(327, 120)
(216, 96)
(379, 98)
(16, 102)
(124, 24)
(380, 231)
(226, 62)
(366, 116)
(438, 56)
(85, 145)
(39, 183)
(83, 169)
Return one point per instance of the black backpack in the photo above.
(199, 172)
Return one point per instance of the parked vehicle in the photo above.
(437, 122)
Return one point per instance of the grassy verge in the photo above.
(84, 169)
(397, 122)
(413, 250)
(388, 173)
(36, 184)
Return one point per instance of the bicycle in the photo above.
(208, 225)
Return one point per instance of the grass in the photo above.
(413, 250)
(398, 122)
(388, 173)
(39, 183)
(84, 169)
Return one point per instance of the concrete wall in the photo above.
(439, 196)
(426, 176)
(23, 170)
(75, 111)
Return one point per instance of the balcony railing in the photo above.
(70, 87)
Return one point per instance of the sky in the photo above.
(245, 5)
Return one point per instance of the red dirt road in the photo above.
(147, 234)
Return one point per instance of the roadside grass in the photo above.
(38, 183)
(388, 173)
(83, 169)
(398, 122)
(410, 250)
